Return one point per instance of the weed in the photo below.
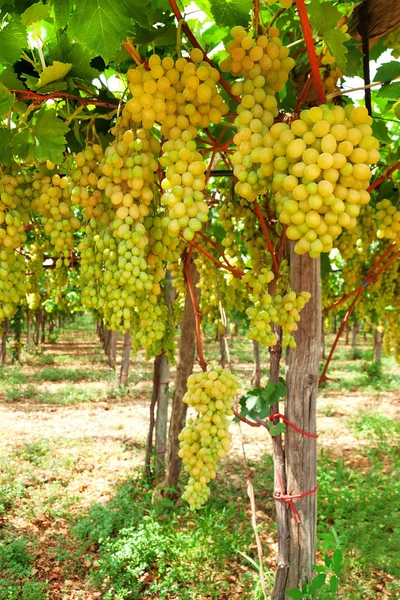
(16, 572)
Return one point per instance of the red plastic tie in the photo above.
(285, 420)
(288, 498)
(162, 451)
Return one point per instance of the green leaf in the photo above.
(337, 561)
(5, 146)
(56, 86)
(68, 52)
(13, 37)
(231, 12)
(317, 583)
(335, 40)
(354, 58)
(101, 25)
(277, 429)
(334, 583)
(61, 12)
(296, 594)
(10, 80)
(256, 402)
(6, 101)
(43, 138)
(326, 266)
(323, 16)
(388, 71)
(389, 90)
(275, 391)
(380, 131)
(55, 72)
(36, 12)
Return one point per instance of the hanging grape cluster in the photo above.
(206, 438)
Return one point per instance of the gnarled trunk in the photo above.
(256, 376)
(126, 353)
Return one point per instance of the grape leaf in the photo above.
(256, 402)
(10, 80)
(388, 71)
(335, 40)
(296, 594)
(13, 37)
(354, 58)
(323, 16)
(68, 52)
(277, 429)
(389, 90)
(61, 12)
(231, 12)
(6, 101)
(5, 146)
(380, 131)
(36, 12)
(43, 138)
(55, 72)
(101, 25)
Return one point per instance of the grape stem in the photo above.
(308, 36)
(372, 275)
(234, 271)
(133, 53)
(264, 228)
(195, 44)
(39, 98)
(197, 313)
(384, 177)
(363, 87)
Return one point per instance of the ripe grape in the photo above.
(206, 438)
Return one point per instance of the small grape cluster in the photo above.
(388, 218)
(180, 92)
(263, 311)
(266, 52)
(183, 184)
(206, 438)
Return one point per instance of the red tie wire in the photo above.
(288, 498)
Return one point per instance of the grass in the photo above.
(16, 575)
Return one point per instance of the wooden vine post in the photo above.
(300, 408)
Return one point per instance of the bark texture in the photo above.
(378, 339)
(256, 376)
(162, 415)
(187, 346)
(126, 353)
(300, 451)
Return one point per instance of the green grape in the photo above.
(392, 40)
(206, 438)
(388, 218)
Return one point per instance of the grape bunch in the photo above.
(262, 313)
(13, 211)
(206, 438)
(267, 53)
(13, 282)
(180, 92)
(85, 177)
(323, 173)
(388, 218)
(183, 184)
(52, 200)
(288, 305)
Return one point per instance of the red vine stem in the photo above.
(339, 333)
(380, 180)
(197, 313)
(264, 228)
(370, 277)
(234, 271)
(308, 37)
(38, 98)
(215, 245)
(303, 94)
(195, 44)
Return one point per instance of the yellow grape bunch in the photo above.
(322, 173)
(181, 92)
(266, 53)
(206, 438)
(388, 220)
(392, 41)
